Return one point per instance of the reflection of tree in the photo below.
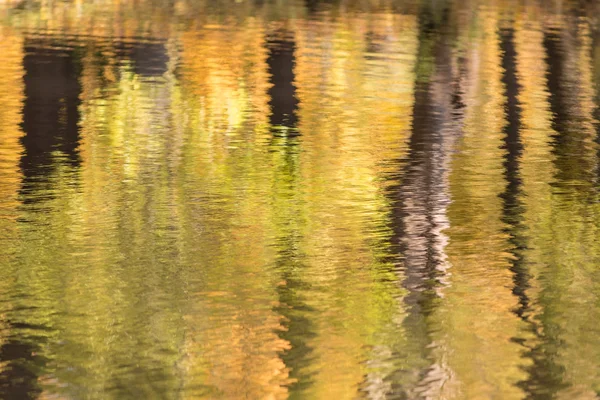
(547, 221)
(290, 224)
(419, 213)
(289, 219)
(20, 341)
(283, 101)
(523, 58)
(50, 113)
(569, 83)
(563, 238)
(50, 138)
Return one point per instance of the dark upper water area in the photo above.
(273, 199)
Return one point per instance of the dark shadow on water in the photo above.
(50, 113)
(574, 157)
(513, 207)
(148, 58)
(282, 94)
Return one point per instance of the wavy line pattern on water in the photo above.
(299, 199)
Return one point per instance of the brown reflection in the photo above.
(149, 58)
(281, 62)
(315, 5)
(50, 113)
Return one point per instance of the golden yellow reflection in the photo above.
(10, 119)
(11, 86)
(354, 84)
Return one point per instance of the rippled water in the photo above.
(299, 199)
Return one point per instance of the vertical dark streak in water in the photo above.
(558, 106)
(50, 113)
(283, 103)
(292, 307)
(573, 158)
(512, 205)
(298, 329)
(544, 375)
(421, 189)
(396, 192)
(423, 186)
(421, 196)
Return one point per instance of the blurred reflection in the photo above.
(299, 199)
(20, 342)
(567, 49)
(424, 199)
(281, 62)
(50, 113)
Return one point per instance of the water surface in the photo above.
(279, 199)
